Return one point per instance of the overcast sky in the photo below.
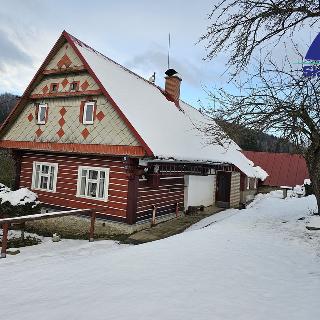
(133, 33)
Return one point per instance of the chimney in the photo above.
(172, 86)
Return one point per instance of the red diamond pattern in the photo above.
(85, 133)
(62, 122)
(63, 111)
(60, 133)
(64, 61)
(64, 82)
(39, 132)
(30, 117)
(85, 86)
(100, 116)
(45, 89)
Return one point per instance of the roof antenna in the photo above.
(169, 44)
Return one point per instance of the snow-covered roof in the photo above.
(169, 132)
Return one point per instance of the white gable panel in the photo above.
(169, 132)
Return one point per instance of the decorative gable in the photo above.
(63, 125)
(65, 59)
(64, 85)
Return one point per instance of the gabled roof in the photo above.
(284, 169)
(169, 132)
(164, 131)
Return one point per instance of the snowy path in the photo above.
(258, 263)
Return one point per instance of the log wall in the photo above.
(165, 197)
(66, 188)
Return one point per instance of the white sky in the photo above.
(133, 33)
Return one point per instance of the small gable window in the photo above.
(74, 86)
(42, 114)
(88, 113)
(54, 87)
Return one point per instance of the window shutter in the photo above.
(47, 112)
(36, 111)
(94, 110)
(81, 111)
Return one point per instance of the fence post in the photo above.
(154, 212)
(177, 209)
(5, 229)
(91, 232)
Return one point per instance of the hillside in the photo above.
(7, 102)
(252, 140)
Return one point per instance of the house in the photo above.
(89, 133)
(284, 169)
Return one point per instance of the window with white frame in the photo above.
(42, 114)
(88, 113)
(93, 183)
(44, 176)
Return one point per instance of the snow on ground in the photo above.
(258, 263)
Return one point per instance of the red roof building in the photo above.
(284, 169)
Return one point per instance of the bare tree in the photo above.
(241, 26)
(285, 103)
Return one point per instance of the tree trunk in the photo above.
(312, 157)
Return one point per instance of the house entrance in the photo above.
(223, 189)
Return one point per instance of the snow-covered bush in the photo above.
(17, 203)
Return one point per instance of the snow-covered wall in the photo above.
(199, 190)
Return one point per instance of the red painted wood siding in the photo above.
(164, 197)
(66, 189)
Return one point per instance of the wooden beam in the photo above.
(66, 94)
(133, 183)
(64, 71)
(39, 216)
(114, 150)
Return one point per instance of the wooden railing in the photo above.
(5, 223)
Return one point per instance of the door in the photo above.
(223, 188)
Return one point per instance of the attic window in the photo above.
(74, 86)
(88, 113)
(42, 114)
(54, 87)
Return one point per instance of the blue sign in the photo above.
(311, 67)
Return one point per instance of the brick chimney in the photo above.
(172, 86)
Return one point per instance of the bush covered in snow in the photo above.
(17, 203)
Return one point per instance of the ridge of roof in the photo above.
(132, 102)
(166, 94)
(83, 44)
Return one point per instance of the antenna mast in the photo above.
(169, 44)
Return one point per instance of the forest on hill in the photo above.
(252, 140)
(247, 139)
(7, 102)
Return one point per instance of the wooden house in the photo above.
(89, 133)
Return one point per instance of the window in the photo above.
(88, 113)
(44, 176)
(54, 87)
(74, 86)
(42, 114)
(93, 183)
